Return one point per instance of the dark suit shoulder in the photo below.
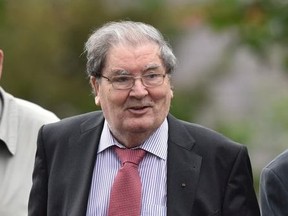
(201, 136)
(72, 126)
(58, 138)
(279, 164)
(77, 120)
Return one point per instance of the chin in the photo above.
(140, 126)
(136, 125)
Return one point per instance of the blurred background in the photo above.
(232, 73)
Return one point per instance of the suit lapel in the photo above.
(183, 168)
(84, 151)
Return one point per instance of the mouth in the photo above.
(139, 109)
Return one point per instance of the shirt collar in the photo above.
(156, 144)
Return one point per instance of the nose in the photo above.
(138, 90)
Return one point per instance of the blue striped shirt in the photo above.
(152, 170)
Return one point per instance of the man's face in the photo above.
(139, 109)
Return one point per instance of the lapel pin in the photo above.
(183, 185)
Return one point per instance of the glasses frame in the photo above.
(134, 79)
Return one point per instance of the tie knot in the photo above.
(130, 155)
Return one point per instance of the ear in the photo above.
(1, 62)
(171, 93)
(95, 87)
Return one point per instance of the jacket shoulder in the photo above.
(279, 164)
(74, 125)
(199, 133)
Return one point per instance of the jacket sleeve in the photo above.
(240, 198)
(38, 195)
(273, 194)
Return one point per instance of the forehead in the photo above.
(133, 57)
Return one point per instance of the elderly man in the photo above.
(20, 122)
(133, 157)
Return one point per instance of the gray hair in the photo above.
(125, 32)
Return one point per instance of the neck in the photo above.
(131, 140)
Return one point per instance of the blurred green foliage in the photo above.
(259, 23)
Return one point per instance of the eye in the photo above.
(152, 76)
(121, 79)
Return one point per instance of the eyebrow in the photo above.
(125, 72)
(151, 67)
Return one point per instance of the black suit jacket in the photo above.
(208, 174)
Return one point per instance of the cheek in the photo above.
(111, 99)
(162, 99)
(165, 93)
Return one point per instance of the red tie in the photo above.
(125, 197)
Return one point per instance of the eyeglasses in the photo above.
(124, 82)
